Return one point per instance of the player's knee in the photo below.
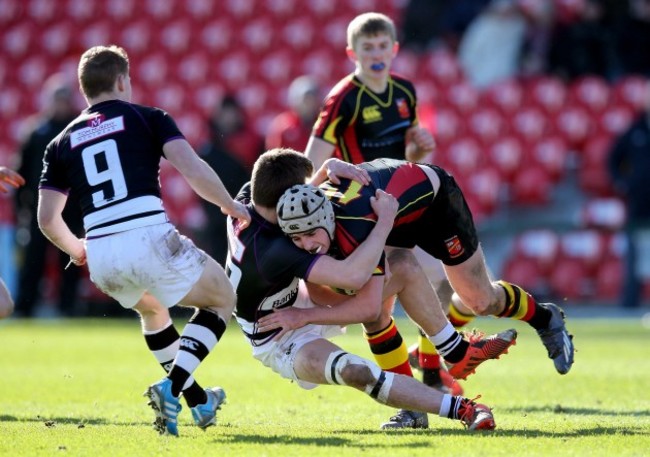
(403, 265)
(351, 370)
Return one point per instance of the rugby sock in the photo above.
(450, 344)
(200, 335)
(450, 406)
(458, 319)
(164, 345)
(429, 360)
(522, 306)
(389, 350)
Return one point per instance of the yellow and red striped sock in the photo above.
(389, 350)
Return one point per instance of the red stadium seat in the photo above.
(449, 126)
(443, 67)
(18, 40)
(464, 156)
(234, 68)
(631, 90)
(540, 245)
(530, 123)
(575, 124)
(531, 187)
(153, 70)
(549, 153)
(615, 119)
(217, 36)
(508, 96)
(609, 279)
(593, 176)
(483, 188)
(487, 125)
(592, 92)
(464, 97)
(569, 280)
(95, 34)
(258, 36)
(10, 10)
(587, 246)
(606, 213)
(299, 33)
(525, 272)
(136, 37)
(56, 39)
(175, 37)
(547, 92)
(506, 154)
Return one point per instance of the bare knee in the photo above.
(403, 265)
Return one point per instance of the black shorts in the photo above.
(446, 229)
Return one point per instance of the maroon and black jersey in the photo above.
(440, 224)
(264, 267)
(109, 157)
(364, 125)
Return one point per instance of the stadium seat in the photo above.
(483, 189)
(631, 90)
(593, 176)
(299, 33)
(449, 126)
(539, 245)
(609, 279)
(464, 156)
(615, 119)
(531, 186)
(530, 123)
(137, 37)
(587, 246)
(550, 153)
(55, 40)
(18, 40)
(464, 97)
(569, 280)
(216, 36)
(10, 11)
(506, 155)
(258, 36)
(592, 92)
(604, 213)
(547, 92)
(442, 66)
(525, 272)
(507, 96)
(174, 38)
(575, 124)
(95, 34)
(486, 125)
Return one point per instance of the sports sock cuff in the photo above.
(445, 405)
(443, 335)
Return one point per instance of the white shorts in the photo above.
(154, 259)
(281, 355)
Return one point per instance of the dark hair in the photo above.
(275, 171)
(99, 68)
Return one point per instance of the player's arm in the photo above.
(51, 223)
(203, 179)
(419, 143)
(356, 269)
(365, 306)
(334, 169)
(318, 151)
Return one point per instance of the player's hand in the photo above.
(384, 205)
(337, 169)
(8, 176)
(78, 259)
(286, 319)
(422, 139)
(240, 212)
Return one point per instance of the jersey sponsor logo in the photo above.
(454, 247)
(285, 297)
(371, 114)
(95, 121)
(403, 108)
(97, 128)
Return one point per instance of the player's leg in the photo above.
(322, 362)
(506, 300)
(6, 303)
(423, 354)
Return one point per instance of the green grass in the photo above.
(74, 388)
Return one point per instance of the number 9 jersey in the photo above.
(109, 156)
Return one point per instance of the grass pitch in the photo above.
(74, 387)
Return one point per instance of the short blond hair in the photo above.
(370, 24)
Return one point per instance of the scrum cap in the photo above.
(304, 207)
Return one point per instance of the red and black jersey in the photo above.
(109, 157)
(441, 224)
(264, 267)
(364, 125)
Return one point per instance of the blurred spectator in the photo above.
(8, 178)
(629, 167)
(59, 109)
(427, 24)
(584, 45)
(291, 128)
(491, 48)
(231, 151)
(633, 39)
